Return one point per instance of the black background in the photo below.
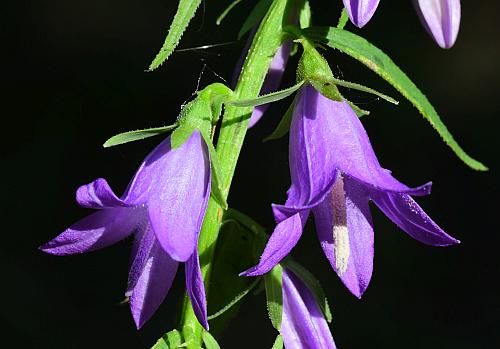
(73, 75)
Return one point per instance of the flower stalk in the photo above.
(234, 125)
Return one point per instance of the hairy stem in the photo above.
(232, 134)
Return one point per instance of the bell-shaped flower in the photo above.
(303, 325)
(360, 11)
(335, 173)
(441, 19)
(163, 207)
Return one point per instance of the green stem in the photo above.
(232, 134)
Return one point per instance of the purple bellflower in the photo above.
(163, 207)
(360, 11)
(441, 19)
(335, 173)
(303, 325)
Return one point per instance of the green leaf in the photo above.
(278, 343)
(362, 88)
(284, 125)
(235, 300)
(362, 50)
(170, 340)
(265, 99)
(226, 11)
(313, 284)
(209, 340)
(273, 281)
(254, 17)
(234, 252)
(359, 112)
(136, 135)
(185, 12)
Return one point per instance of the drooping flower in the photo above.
(441, 19)
(303, 325)
(335, 173)
(163, 207)
(360, 11)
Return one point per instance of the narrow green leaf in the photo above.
(284, 125)
(226, 11)
(278, 343)
(235, 300)
(185, 12)
(170, 340)
(362, 50)
(216, 188)
(273, 282)
(265, 99)
(344, 17)
(209, 340)
(254, 17)
(136, 135)
(313, 284)
(363, 88)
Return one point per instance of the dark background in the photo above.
(73, 75)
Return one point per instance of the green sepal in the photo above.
(257, 13)
(274, 294)
(216, 185)
(284, 125)
(136, 135)
(278, 343)
(209, 340)
(185, 12)
(170, 340)
(363, 88)
(314, 69)
(313, 284)
(376, 60)
(265, 99)
(226, 11)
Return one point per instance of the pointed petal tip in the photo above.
(254, 271)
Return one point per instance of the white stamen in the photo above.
(340, 232)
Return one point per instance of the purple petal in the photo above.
(441, 19)
(284, 238)
(360, 11)
(303, 325)
(196, 289)
(328, 135)
(98, 230)
(409, 216)
(151, 275)
(345, 230)
(98, 195)
(272, 80)
(178, 200)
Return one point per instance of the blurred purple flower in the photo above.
(303, 325)
(273, 78)
(441, 19)
(163, 207)
(360, 11)
(335, 173)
